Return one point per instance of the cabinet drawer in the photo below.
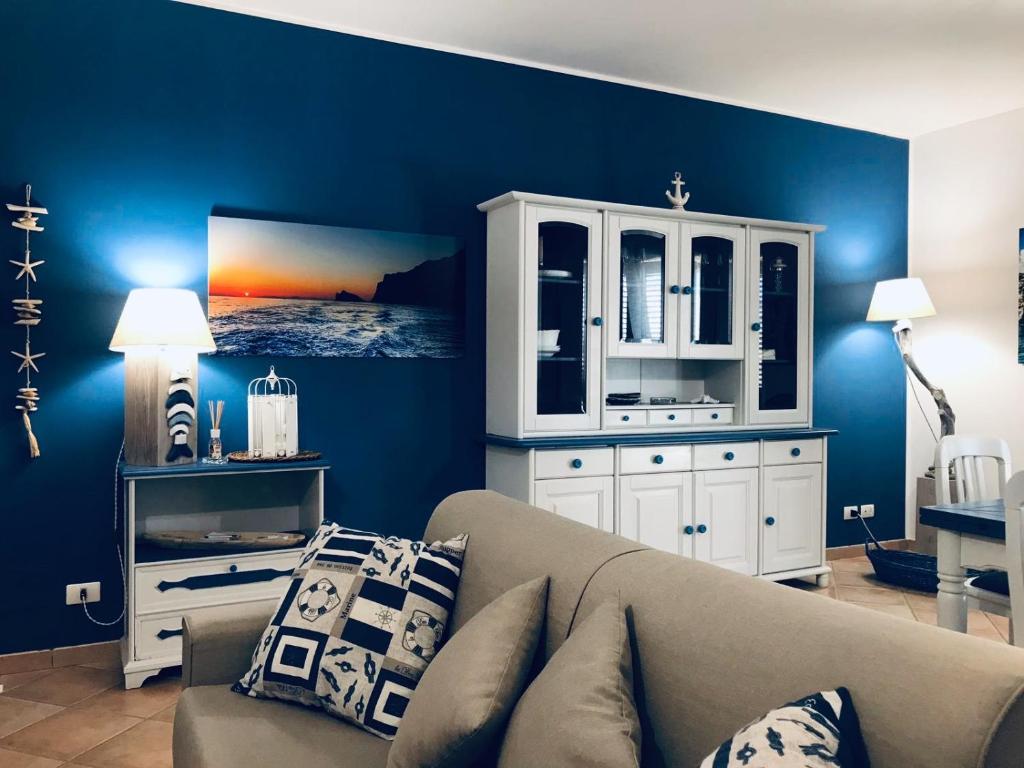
(725, 455)
(712, 415)
(642, 459)
(792, 451)
(158, 636)
(212, 581)
(584, 462)
(670, 417)
(627, 419)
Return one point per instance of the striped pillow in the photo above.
(818, 731)
(361, 619)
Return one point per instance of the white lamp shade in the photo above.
(162, 318)
(901, 299)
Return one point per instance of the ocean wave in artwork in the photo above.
(314, 328)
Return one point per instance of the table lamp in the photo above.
(161, 331)
(899, 301)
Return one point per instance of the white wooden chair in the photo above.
(970, 459)
(1014, 500)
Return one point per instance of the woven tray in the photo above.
(244, 457)
(254, 540)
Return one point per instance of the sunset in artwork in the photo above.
(311, 290)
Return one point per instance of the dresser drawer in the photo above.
(726, 455)
(792, 451)
(625, 419)
(642, 459)
(158, 636)
(583, 462)
(712, 415)
(212, 581)
(670, 417)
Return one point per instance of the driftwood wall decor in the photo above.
(28, 312)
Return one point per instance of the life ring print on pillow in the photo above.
(320, 599)
(422, 635)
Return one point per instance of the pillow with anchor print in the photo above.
(360, 621)
(817, 731)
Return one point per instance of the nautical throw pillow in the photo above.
(818, 731)
(360, 621)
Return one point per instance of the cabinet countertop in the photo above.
(732, 436)
(198, 469)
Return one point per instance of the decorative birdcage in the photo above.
(273, 417)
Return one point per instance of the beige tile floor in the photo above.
(81, 716)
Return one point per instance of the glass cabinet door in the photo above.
(713, 322)
(642, 258)
(778, 382)
(563, 362)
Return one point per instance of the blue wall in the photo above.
(135, 119)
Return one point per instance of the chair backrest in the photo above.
(1014, 500)
(967, 457)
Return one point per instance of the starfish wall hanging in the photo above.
(28, 314)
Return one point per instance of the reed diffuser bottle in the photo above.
(215, 452)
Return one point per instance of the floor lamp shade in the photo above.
(901, 299)
(161, 332)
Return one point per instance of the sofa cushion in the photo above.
(465, 696)
(586, 688)
(359, 622)
(992, 581)
(817, 731)
(215, 728)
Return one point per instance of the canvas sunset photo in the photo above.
(303, 290)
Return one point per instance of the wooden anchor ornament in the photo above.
(678, 199)
(28, 313)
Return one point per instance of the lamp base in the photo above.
(161, 424)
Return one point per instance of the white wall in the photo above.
(966, 207)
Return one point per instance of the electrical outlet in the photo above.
(867, 510)
(851, 513)
(73, 593)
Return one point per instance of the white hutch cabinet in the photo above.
(649, 374)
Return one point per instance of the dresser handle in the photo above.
(675, 289)
(755, 327)
(687, 290)
(671, 417)
(576, 463)
(714, 417)
(626, 417)
(729, 456)
(598, 321)
(795, 452)
(658, 459)
(163, 634)
(702, 528)
(769, 521)
(688, 530)
(223, 579)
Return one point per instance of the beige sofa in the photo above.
(713, 651)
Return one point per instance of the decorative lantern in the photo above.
(273, 417)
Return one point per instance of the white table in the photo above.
(970, 534)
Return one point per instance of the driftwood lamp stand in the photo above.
(161, 333)
(899, 301)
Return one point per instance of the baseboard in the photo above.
(107, 653)
(857, 550)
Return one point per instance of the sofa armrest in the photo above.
(217, 649)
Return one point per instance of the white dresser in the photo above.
(649, 373)
(163, 584)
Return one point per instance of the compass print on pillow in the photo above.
(317, 600)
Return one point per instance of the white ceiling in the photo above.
(899, 67)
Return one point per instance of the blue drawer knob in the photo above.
(795, 452)
(755, 327)
(714, 417)
(671, 417)
(769, 521)
(659, 459)
(598, 321)
(702, 528)
(626, 417)
(675, 289)
(687, 290)
(576, 463)
(688, 530)
(729, 456)
(233, 568)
